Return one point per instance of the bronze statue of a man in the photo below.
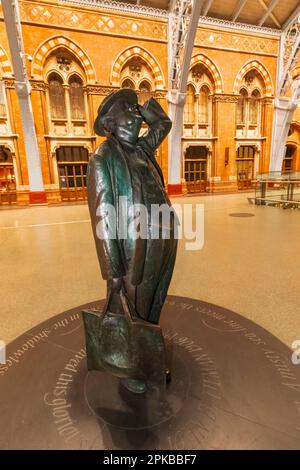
(123, 173)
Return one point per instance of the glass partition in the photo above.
(278, 189)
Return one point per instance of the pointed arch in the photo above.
(136, 51)
(5, 65)
(56, 42)
(215, 72)
(261, 69)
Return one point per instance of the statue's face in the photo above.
(126, 121)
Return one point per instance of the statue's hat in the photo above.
(125, 94)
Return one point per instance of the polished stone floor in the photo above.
(247, 264)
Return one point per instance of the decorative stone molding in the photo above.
(119, 6)
(141, 52)
(113, 6)
(249, 143)
(56, 42)
(92, 19)
(213, 69)
(268, 101)
(225, 98)
(8, 144)
(99, 90)
(209, 38)
(56, 143)
(197, 143)
(38, 85)
(9, 83)
(204, 20)
(261, 69)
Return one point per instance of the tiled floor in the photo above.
(248, 264)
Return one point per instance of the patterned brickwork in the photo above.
(105, 23)
(254, 65)
(202, 59)
(239, 42)
(53, 43)
(143, 54)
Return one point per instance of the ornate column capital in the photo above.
(38, 85)
(268, 101)
(9, 83)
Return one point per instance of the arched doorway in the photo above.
(195, 169)
(8, 193)
(288, 164)
(245, 166)
(72, 167)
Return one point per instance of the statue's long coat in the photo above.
(118, 169)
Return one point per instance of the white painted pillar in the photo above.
(283, 116)
(22, 86)
(184, 19)
(176, 108)
(288, 90)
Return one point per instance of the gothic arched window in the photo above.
(57, 97)
(254, 108)
(76, 97)
(189, 107)
(144, 92)
(128, 84)
(203, 104)
(145, 86)
(241, 107)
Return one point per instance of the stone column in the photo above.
(37, 194)
(175, 155)
(283, 115)
(11, 14)
(68, 109)
(266, 132)
(86, 110)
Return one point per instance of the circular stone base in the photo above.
(233, 386)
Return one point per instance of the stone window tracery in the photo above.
(241, 107)
(136, 74)
(198, 105)
(57, 97)
(66, 96)
(189, 109)
(203, 104)
(248, 109)
(76, 98)
(254, 107)
(128, 84)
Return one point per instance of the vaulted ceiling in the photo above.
(270, 13)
